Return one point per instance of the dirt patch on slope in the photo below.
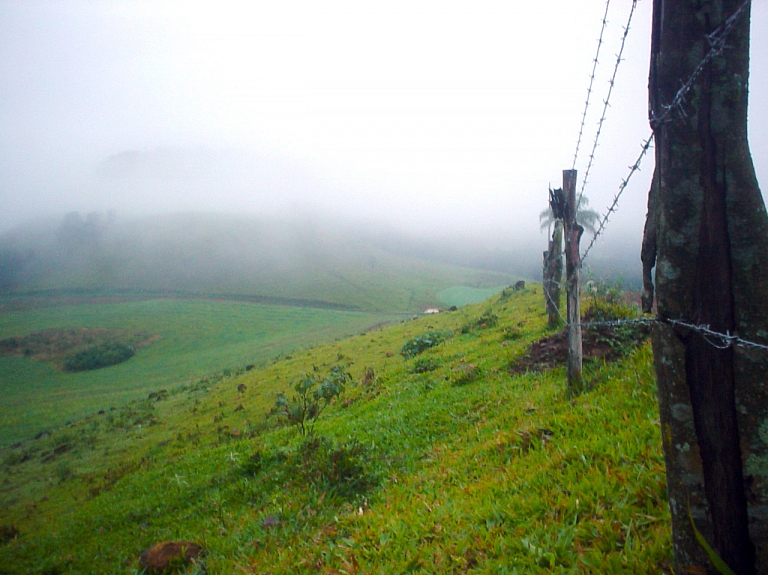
(598, 342)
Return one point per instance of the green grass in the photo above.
(417, 471)
(465, 295)
(196, 339)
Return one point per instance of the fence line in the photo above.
(717, 43)
(591, 81)
(716, 40)
(725, 340)
(606, 102)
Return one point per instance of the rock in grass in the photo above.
(165, 556)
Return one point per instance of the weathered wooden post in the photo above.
(573, 232)
(707, 235)
(553, 274)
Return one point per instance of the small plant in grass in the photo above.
(621, 338)
(312, 396)
(370, 379)
(486, 320)
(63, 471)
(341, 469)
(424, 365)
(464, 374)
(511, 334)
(423, 342)
(605, 290)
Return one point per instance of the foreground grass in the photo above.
(440, 464)
(196, 338)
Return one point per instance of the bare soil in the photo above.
(602, 342)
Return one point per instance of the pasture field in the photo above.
(196, 338)
(441, 459)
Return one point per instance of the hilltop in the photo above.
(437, 457)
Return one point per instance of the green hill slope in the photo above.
(191, 339)
(442, 463)
(297, 262)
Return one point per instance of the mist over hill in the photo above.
(356, 265)
(319, 263)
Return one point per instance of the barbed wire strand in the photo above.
(606, 102)
(554, 305)
(725, 340)
(615, 203)
(717, 44)
(591, 82)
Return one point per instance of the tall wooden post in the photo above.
(709, 235)
(573, 232)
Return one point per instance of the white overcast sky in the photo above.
(434, 115)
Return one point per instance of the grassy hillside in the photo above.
(192, 340)
(299, 261)
(442, 463)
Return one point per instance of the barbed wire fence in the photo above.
(606, 102)
(714, 338)
(717, 45)
(595, 61)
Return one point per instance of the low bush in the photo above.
(98, 356)
(423, 342)
(607, 316)
(424, 365)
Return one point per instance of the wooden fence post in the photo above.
(573, 232)
(553, 271)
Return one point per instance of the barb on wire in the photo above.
(716, 41)
(612, 208)
(591, 81)
(620, 322)
(611, 84)
(726, 339)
